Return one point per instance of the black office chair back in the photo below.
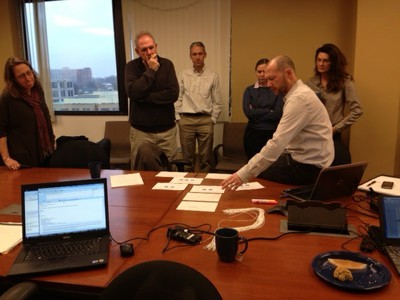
(78, 152)
(152, 158)
(161, 280)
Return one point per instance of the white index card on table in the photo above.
(126, 180)
(188, 180)
(197, 206)
(250, 186)
(217, 176)
(170, 186)
(207, 197)
(215, 189)
(171, 174)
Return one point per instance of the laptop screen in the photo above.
(390, 216)
(64, 207)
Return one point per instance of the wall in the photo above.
(6, 37)
(294, 28)
(366, 31)
(376, 136)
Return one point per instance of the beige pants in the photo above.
(198, 129)
(166, 140)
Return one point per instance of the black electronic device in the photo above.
(126, 250)
(278, 209)
(182, 234)
(367, 244)
(332, 183)
(387, 185)
(317, 216)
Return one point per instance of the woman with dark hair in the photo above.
(335, 87)
(263, 110)
(26, 132)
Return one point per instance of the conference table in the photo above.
(271, 268)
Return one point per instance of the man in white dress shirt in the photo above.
(302, 144)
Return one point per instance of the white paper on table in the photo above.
(188, 180)
(198, 206)
(214, 189)
(217, 176)
(376, 185)
(250, 186)
(170, 186)
(126, 180)
(206, 197)
(171, 174)
(11, 235)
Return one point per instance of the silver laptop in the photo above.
(65, 226)
(332, 182)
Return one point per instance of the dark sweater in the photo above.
(152, 95)
(18, 124)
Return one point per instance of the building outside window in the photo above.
(79, 43)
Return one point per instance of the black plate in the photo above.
(375, 276)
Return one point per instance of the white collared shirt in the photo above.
(305, 131)
(199, 92)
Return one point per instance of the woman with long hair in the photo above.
(335, 87)
(26, 132)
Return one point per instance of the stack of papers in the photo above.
(11, 235)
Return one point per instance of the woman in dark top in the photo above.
(263, 109)
(26, 133)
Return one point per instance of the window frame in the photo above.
(119, 46)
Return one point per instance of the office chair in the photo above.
(151, 158)
(160, 280)
(230, 155)
(20, 291)
(79, 151)
(118, 133)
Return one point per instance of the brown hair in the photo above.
(337, 73)
(11, 82)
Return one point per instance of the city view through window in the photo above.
(82, 55)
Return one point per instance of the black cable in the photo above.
(191, 229)
(278, 236)
(126, 241)
(362, 213)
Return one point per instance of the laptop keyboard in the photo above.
(64, 249)
(393, 253)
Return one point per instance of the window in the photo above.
(78, 45)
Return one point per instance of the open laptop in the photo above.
(387, 237)
(65, 226)
(332, 182)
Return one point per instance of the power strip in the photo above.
(183, 235)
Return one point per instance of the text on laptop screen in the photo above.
(64, 209)
(391, 210)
